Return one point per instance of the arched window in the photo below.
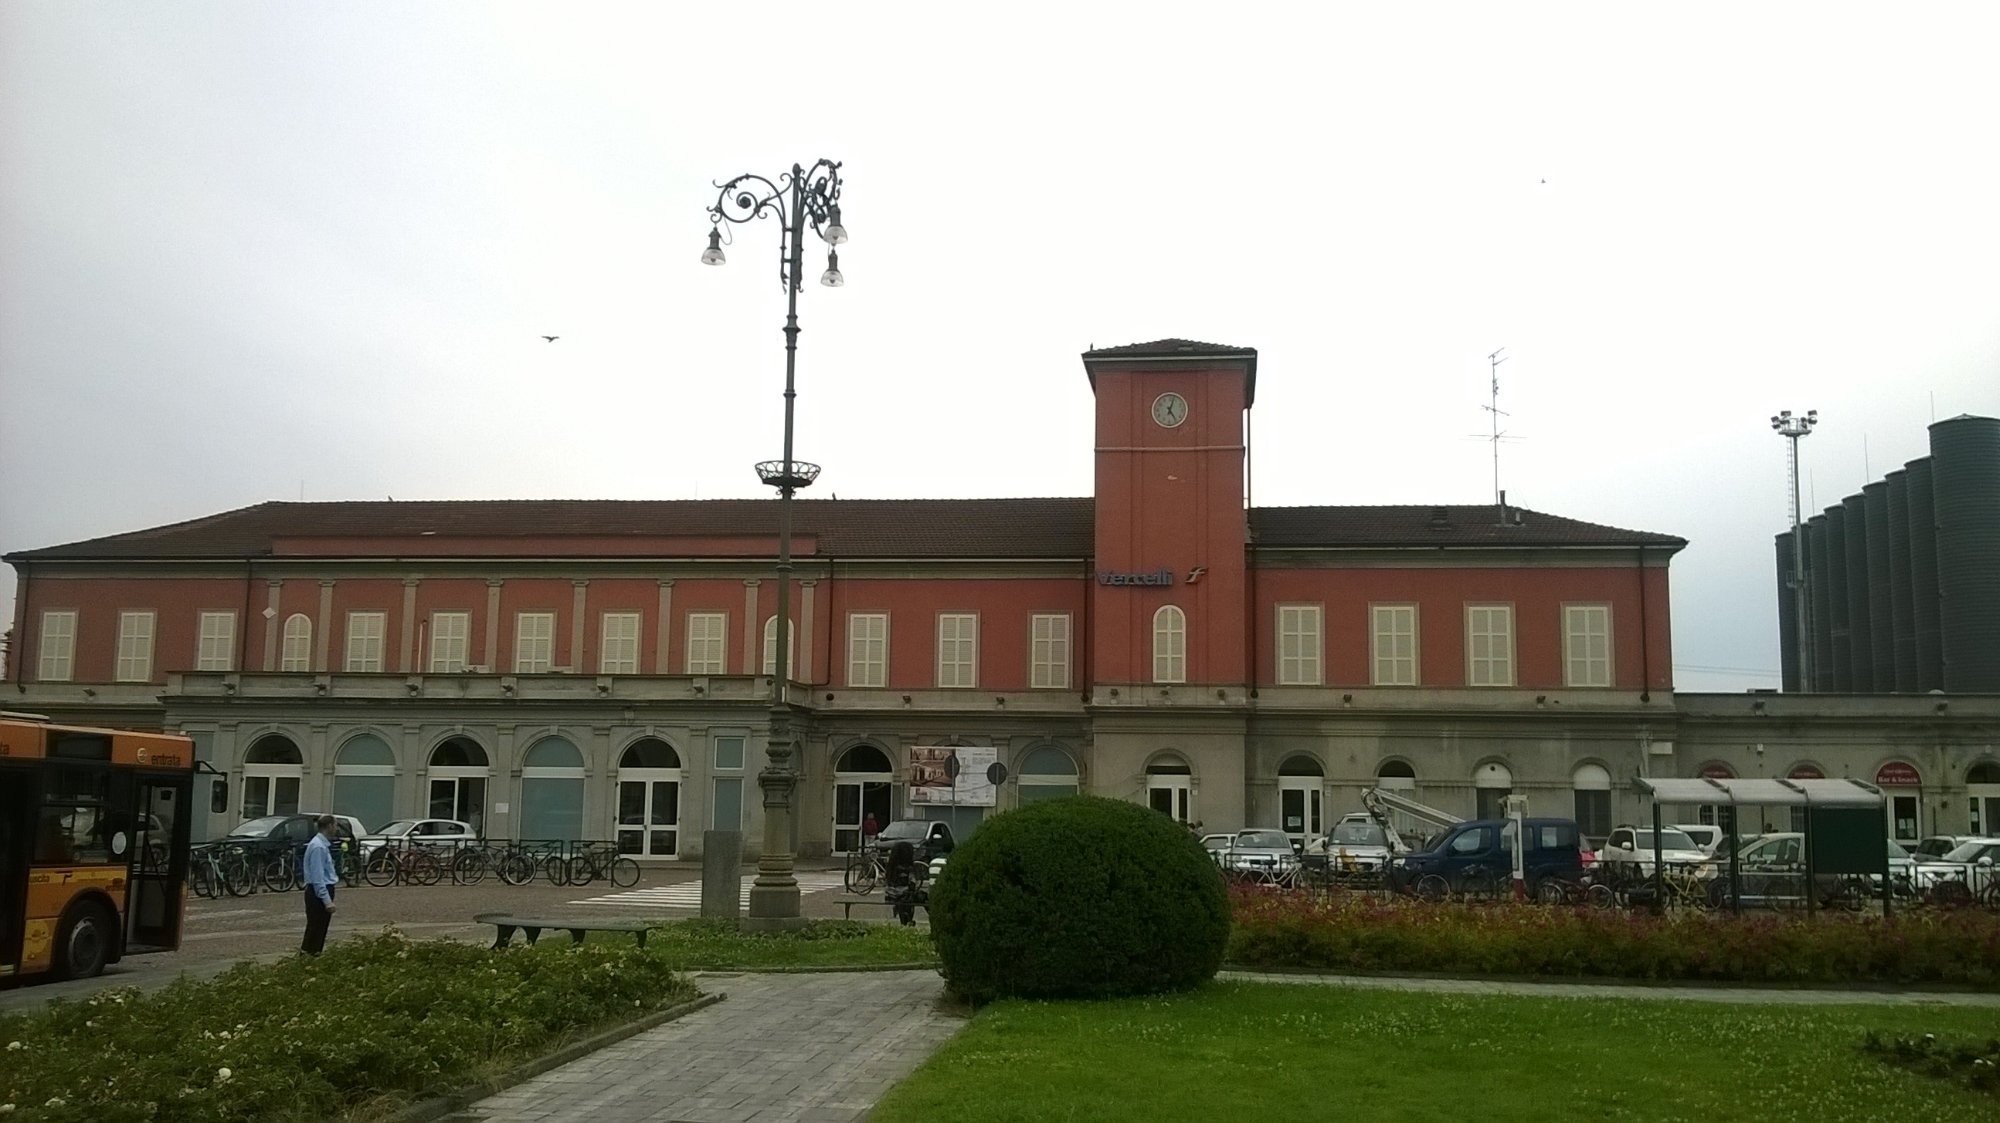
(649, 799)
(1047, 772)
(298, 644)
(1592, 784)
(364, 780)
(861, 788)
(1169, 644)
(771, 647)
(457, 780)
(1492, 782)
(552, 790)
(272, 771)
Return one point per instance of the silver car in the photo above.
(1259, 852)
(1356, 848)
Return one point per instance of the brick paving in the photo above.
(819, 1048)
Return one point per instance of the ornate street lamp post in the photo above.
(798, 198)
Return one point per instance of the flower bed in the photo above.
(1976, 1064)
(1352, 932)
(373, 1019)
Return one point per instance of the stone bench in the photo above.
(531, 927)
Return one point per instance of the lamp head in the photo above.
(836, 234)
(832, 278)
(713, 254)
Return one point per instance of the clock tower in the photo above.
(1167, 609)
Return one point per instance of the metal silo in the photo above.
(1902, 622)
(1860, 633)
(1838, 626)
(1818, 585)
(1965, 484)
(1881, 608)
(1924, 578)
(1788, 617)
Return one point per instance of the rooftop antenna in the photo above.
(1495, 413)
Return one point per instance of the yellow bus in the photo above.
(93, 845)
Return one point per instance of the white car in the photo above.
(420, 832)
(1631, 848)
(1971, 864)
(1707, 836)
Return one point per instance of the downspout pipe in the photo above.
(1645, 636)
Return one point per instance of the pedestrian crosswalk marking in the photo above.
(687, 894)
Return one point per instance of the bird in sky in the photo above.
(551, 338)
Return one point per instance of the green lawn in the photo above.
(696, 945)
(1242, 1051)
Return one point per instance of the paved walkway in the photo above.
(1744, 995)
(798, 1048)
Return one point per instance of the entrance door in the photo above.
(159, 862)
(1985, 810)
(854, 799)
(649, 817)
(460, 797)
(1299, 807)
(1170, 796)
(267, 794)
(17, 811)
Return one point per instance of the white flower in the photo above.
(223, 1074)
(54, 1101)
(225, 1035)
(6, 1109)
(13, 1046)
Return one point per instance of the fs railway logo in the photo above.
(1194, 575)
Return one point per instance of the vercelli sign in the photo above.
(1161, 576)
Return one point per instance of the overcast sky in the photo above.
(257, 251)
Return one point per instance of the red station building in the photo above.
(593, 669)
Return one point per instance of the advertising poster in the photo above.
(956, 775)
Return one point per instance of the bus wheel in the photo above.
(85, 944)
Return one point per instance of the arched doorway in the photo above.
(552, 790)
(1592, 785)
(272, 770)
(1492, 783)
(457, 778)
(1170, 787)
(1399, 777)
(861, 787)
(1902, 785)
(1982, 790)
(1047, 772)
(1301, 791)
(649, 800)
(1719, 814)
(364, 780)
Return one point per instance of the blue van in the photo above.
(1481, 851)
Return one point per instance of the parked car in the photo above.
(1630, 850)
(1708, 837)
(419, 832)
(297, 829)
(1970, 864)
(1357, 846)
(1217, 845)
(1484, 848)
(1938, 845)
(932, 838)
(1772, 870)
(1259, 850)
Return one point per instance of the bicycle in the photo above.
(865, 869)
(388, 865)
(602, 860)
(216, 869)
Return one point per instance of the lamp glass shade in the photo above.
(713, 254)
(832, 278)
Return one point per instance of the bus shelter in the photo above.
(1845, 833)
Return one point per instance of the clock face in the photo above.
(1169, 410)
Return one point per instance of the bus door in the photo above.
(17, 816)
(158, 855)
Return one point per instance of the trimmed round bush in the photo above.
(1079, 898)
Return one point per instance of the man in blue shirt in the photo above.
(319, 879)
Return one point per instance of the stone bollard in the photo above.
(722, 874)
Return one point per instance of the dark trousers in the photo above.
(317, 918)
